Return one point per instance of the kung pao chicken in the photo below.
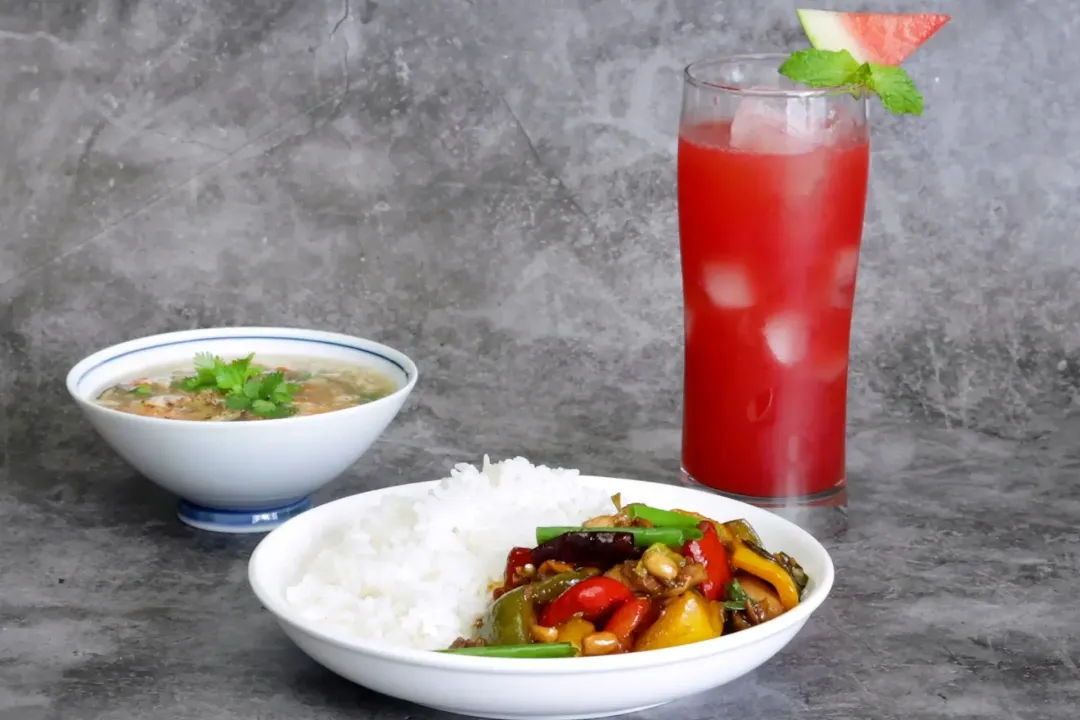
(640, 579)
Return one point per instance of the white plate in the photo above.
(583, 687)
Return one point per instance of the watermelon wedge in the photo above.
(882, 38)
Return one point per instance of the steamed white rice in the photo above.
(417, 572)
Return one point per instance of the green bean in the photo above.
(521, 652)
(643, 537)
(661, 518)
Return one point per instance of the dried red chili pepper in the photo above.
(517, 558)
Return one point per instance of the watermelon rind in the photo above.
(825, 31)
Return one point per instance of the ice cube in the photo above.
(845, 265)
(788, 336)
(782, 126)
(840, 124)
(728, 286)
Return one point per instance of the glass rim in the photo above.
(696, 81)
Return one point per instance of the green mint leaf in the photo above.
(820, 68)
(837, 68)
(238, 402)
(894, 86)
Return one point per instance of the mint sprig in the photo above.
(244, 386)
(837, 68)
(894, 86)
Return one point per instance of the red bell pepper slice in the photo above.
(710, 552)
(590, 599)
(518, 558)
(631, 615)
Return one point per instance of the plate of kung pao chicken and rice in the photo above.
(514, 590)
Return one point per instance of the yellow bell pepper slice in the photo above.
(762, 593)
(688, 618)
(745, 559)
(574, 631)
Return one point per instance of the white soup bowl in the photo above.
(240, 476)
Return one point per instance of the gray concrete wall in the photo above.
(490, 187)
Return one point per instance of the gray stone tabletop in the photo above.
(489, 186)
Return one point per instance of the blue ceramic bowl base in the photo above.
(224, 520)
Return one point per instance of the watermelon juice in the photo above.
(770, 228)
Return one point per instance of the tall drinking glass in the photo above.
(772, 191)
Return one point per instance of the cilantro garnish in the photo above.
(837, 68)
(141, 390)
(737, 597)
(244, 386)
